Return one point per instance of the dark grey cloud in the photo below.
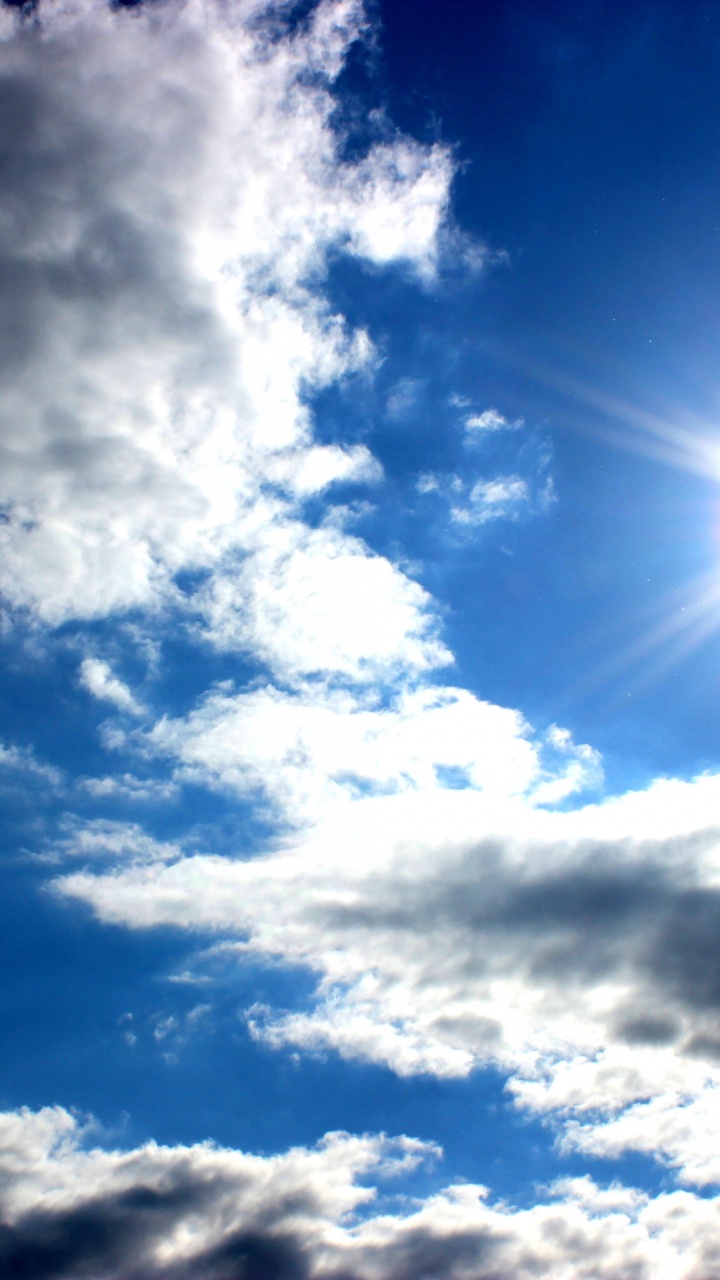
(117, 1238)
(107, 1236)
(253, 1256)
(114, 1239)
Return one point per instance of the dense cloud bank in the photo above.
(206, 1213)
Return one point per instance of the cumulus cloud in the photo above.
(173, 1211)
(175, 188)
(172, 187)
(209, 1213)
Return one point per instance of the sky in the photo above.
(360, 626)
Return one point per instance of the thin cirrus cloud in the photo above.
(177, 189)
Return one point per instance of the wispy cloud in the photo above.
(21, 763)
(403, 398)
(492, 500)
(473, 503)
(488, 420)
(98, 679)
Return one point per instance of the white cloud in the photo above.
(473, 503)
(576, 950)
(320, 750)
(203, 1212)
(488, 420)
(97, 677)
(126, 786)
(676, 1125)
(18, 762)
(315, 468)
(173, 197)
(308, 601)
(496, 499)
(168, 213)
(102, 839)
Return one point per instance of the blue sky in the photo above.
(360, 633)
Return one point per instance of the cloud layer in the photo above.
(176, 189)
(207, 1213)
(576, 950)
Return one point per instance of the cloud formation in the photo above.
(488, 420)
(575, 950)
(474, 502)
(312, 748)
(316, 601)
(208, 1213)
(173, 186)
(98, 679)
(176, 190)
